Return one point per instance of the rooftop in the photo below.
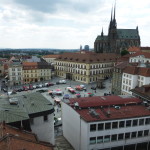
(88, 57)
(101, 108)
(143, 71)
(134, 49)
(21, 107)
(50, 56)
(20, 139)
(143, 91)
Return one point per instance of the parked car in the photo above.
(50, 84)
(31, 87)
(34, 86)
(25, 88)
(93, 87)
(4, 89)
(62, 81)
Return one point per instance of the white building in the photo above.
(15, 73)
(142, 57)
(50, 58)
(106, 123)
(134, 76)
(31, 111)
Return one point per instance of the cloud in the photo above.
(66, 23)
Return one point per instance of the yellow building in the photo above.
(35, 72)
(86, 68)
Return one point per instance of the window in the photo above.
(140, 133)
(133, 135)
(115, 125)
(100, 126)
(93, 127)
(121, 124)
(146, 132)
(128, 123)
(147, 121)
(114, 137)
(107, 126)
(46, 118)
(135, 122)
(100, 139)
(92, 140)
(127, 135)
(120, 136)
(141, 122)
(107, 138)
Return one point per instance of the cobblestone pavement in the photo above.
(62, 144)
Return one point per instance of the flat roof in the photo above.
(103, 108)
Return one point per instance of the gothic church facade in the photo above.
(117, 39)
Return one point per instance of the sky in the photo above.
(67, 24)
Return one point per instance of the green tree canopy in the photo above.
(124, 52)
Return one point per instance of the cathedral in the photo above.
(117, 39)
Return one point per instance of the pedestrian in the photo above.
(95, 91)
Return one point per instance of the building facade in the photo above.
(117, 39)
(111, 122)
(140, 57)
(117, 78)
(35, 72)
(134, 76)
(15, 73)
(86, 68)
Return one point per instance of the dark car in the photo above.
(93, 87)
(4, 89)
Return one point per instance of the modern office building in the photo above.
(106, 123)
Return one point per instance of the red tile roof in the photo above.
(19, 139)
(134, 49)
(122, 113)
(50, 56)
(122, 65)
(145, 48)
(96, 101)
(143, 91)
(104, 108)
(88, 57)
(137, 71)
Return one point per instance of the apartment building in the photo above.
(134, 76)
(36, 71)
(85, 67)
(117, 77)
(106, 123)
(15, 73)
(140, 57)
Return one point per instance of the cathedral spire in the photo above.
(102, 32)
(111, 13)
(115, 11)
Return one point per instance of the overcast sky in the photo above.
(67, 24)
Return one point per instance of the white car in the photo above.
(62, 81)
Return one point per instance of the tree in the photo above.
(124, 52)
